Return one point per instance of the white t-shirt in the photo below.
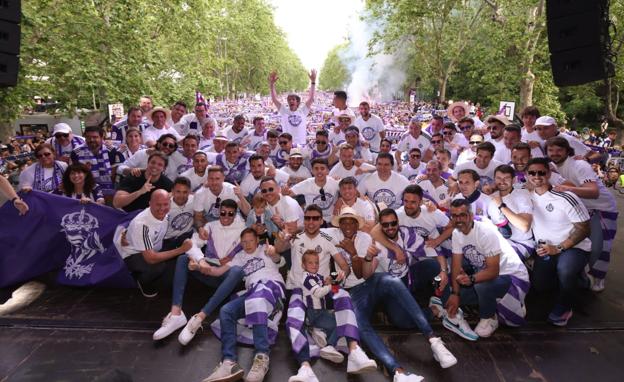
(554, 214)
(152, 133)
(519, 201)
(465, 156)
(234, 136)
(144, 232)
(486, 174)
(250, 185)
(336, 138)
(205, 200)
(370, 130)
(578, 146)
(580, 172)
(408, 142)
(257, 266)
(389, 192)
(439, 194)
(364, 208)
(196, 180)
(180, 218)
(386, 263)
(427, 224)
(302, 172)
(411, 173)
(485, 241)
(534, 136)
(189, 124)
(485, 207)
(322, 243)
(311, 191)
(502, 155)
(288, 209)
(27, 177)
(362, 242)
(340, 172)
(295, 122)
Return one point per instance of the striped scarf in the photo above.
(511, 309)
(75, 142)
(100, 165)
(211, 250)
(346, 324)
(263, 306)
(45, 185)
(233, 172)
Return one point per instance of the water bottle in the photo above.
(541, 243)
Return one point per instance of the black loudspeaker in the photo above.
(10, 16)
(579, 42)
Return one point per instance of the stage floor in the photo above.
(105, 335)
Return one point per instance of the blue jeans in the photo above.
(423, 272)
(325, 320)
(561, 270)
(225, 284)
(485, 294)
(400, 306)
(228, 316)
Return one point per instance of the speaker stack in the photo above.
(10, 16)
(579, 42)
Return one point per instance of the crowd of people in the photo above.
(311, 208)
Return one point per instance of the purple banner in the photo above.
(59, 233)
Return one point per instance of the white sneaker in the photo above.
(459, 326)
(358, 362)
(187, 334)
(226, 371)
(169, 325)
(441, 353)
(595, 284)
(486, 327)
(435, 304)
(407, 378)
(259, 368)
(319, 337)
(304, 374)
(331, 354)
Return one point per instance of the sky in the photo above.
(314, 27)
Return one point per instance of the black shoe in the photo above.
(147, 290)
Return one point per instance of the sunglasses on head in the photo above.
(314, 218)
(168, 145)
(268, 189)
(61, 135)
(475, 142)
(46, 154)
(537, 173)
(393, 223)
(228, 213)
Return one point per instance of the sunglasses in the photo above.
(537, 173)
(323, 197)
(46, 154)
(475, 142)
(265, 190)
(283, 143)
(217, 203)
(436, 141)
(321, 142)
(228, 213)
(448, 133)
(168, 145)
(390, 224)
(463, 215)
(313, 218)
(61, 135)
(414, 156)
(467, 127)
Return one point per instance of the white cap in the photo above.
(545, 121)
(62, 128)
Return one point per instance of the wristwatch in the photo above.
(367, 259)
(502, 205)
(560, 248)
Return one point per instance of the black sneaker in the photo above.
(147, 290)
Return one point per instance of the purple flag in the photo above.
(59, 233)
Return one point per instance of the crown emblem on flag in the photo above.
(79, 220)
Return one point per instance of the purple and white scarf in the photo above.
(100, 165)
(45, 185)
(75, 142)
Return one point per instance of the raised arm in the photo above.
(310, 100)
(272, 80)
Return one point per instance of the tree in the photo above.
(334, 73)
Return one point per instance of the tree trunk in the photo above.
(526, 89)
(442, 81)
(611, 111)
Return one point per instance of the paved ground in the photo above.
(105, 335)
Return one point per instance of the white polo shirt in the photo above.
(311, 191)
(322, 243)
(144, 232)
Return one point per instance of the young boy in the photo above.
(260, 219)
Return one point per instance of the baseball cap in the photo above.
(62, 128)
(545, 121)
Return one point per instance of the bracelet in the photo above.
(14, 199)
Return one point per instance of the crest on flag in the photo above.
(80, 231)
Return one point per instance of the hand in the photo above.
(431, 207)
(338, 206)
(365, 144)
(463, 279)
(496, 198)
(534, 144)
(278, 220)
(21, 206)
(285, 190)
(193, 265)
(358, 162)
(547, 250)
(147, 187)
(259, 228)
(341, 276)
(124, 240)
(237, 191)
(284, 236)
(270, 251)
(205, 268)
(579, 157)
(433, 243)
(443, 280)
(487, 189)
(26, 189)
(312, 75)
(85, 200)
(452, 304)
(203, 234)
(135, 171)
(348, 245)
(421, 177)
(327, 281)
(273, 78)
(122, 147)
(400, 257)
(271, 171)
(372, 250)
(186, 245)
(561, 188)
(399, 167)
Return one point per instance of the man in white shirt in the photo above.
(515, 205)
(561, 225)
(294, 117)
(529, 116)
(64, 141)
(320, 190)
(208, 199)
(434, 185)
(547, 128)
(140, 245)
(485, 271)
(258, 135)
(348, 197)
(286, 212)
(180, 217)
(198, 174)
(384, 185)
(496, 125)
(413, 138)
(483, 164)
(347, 166)
(158, 117)
(222, 240)
(295, 169)
(511, 137)
(595, 196)
(414, 166)
(371, 126)
(190, 123)
(237, 132)
(257, 170)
